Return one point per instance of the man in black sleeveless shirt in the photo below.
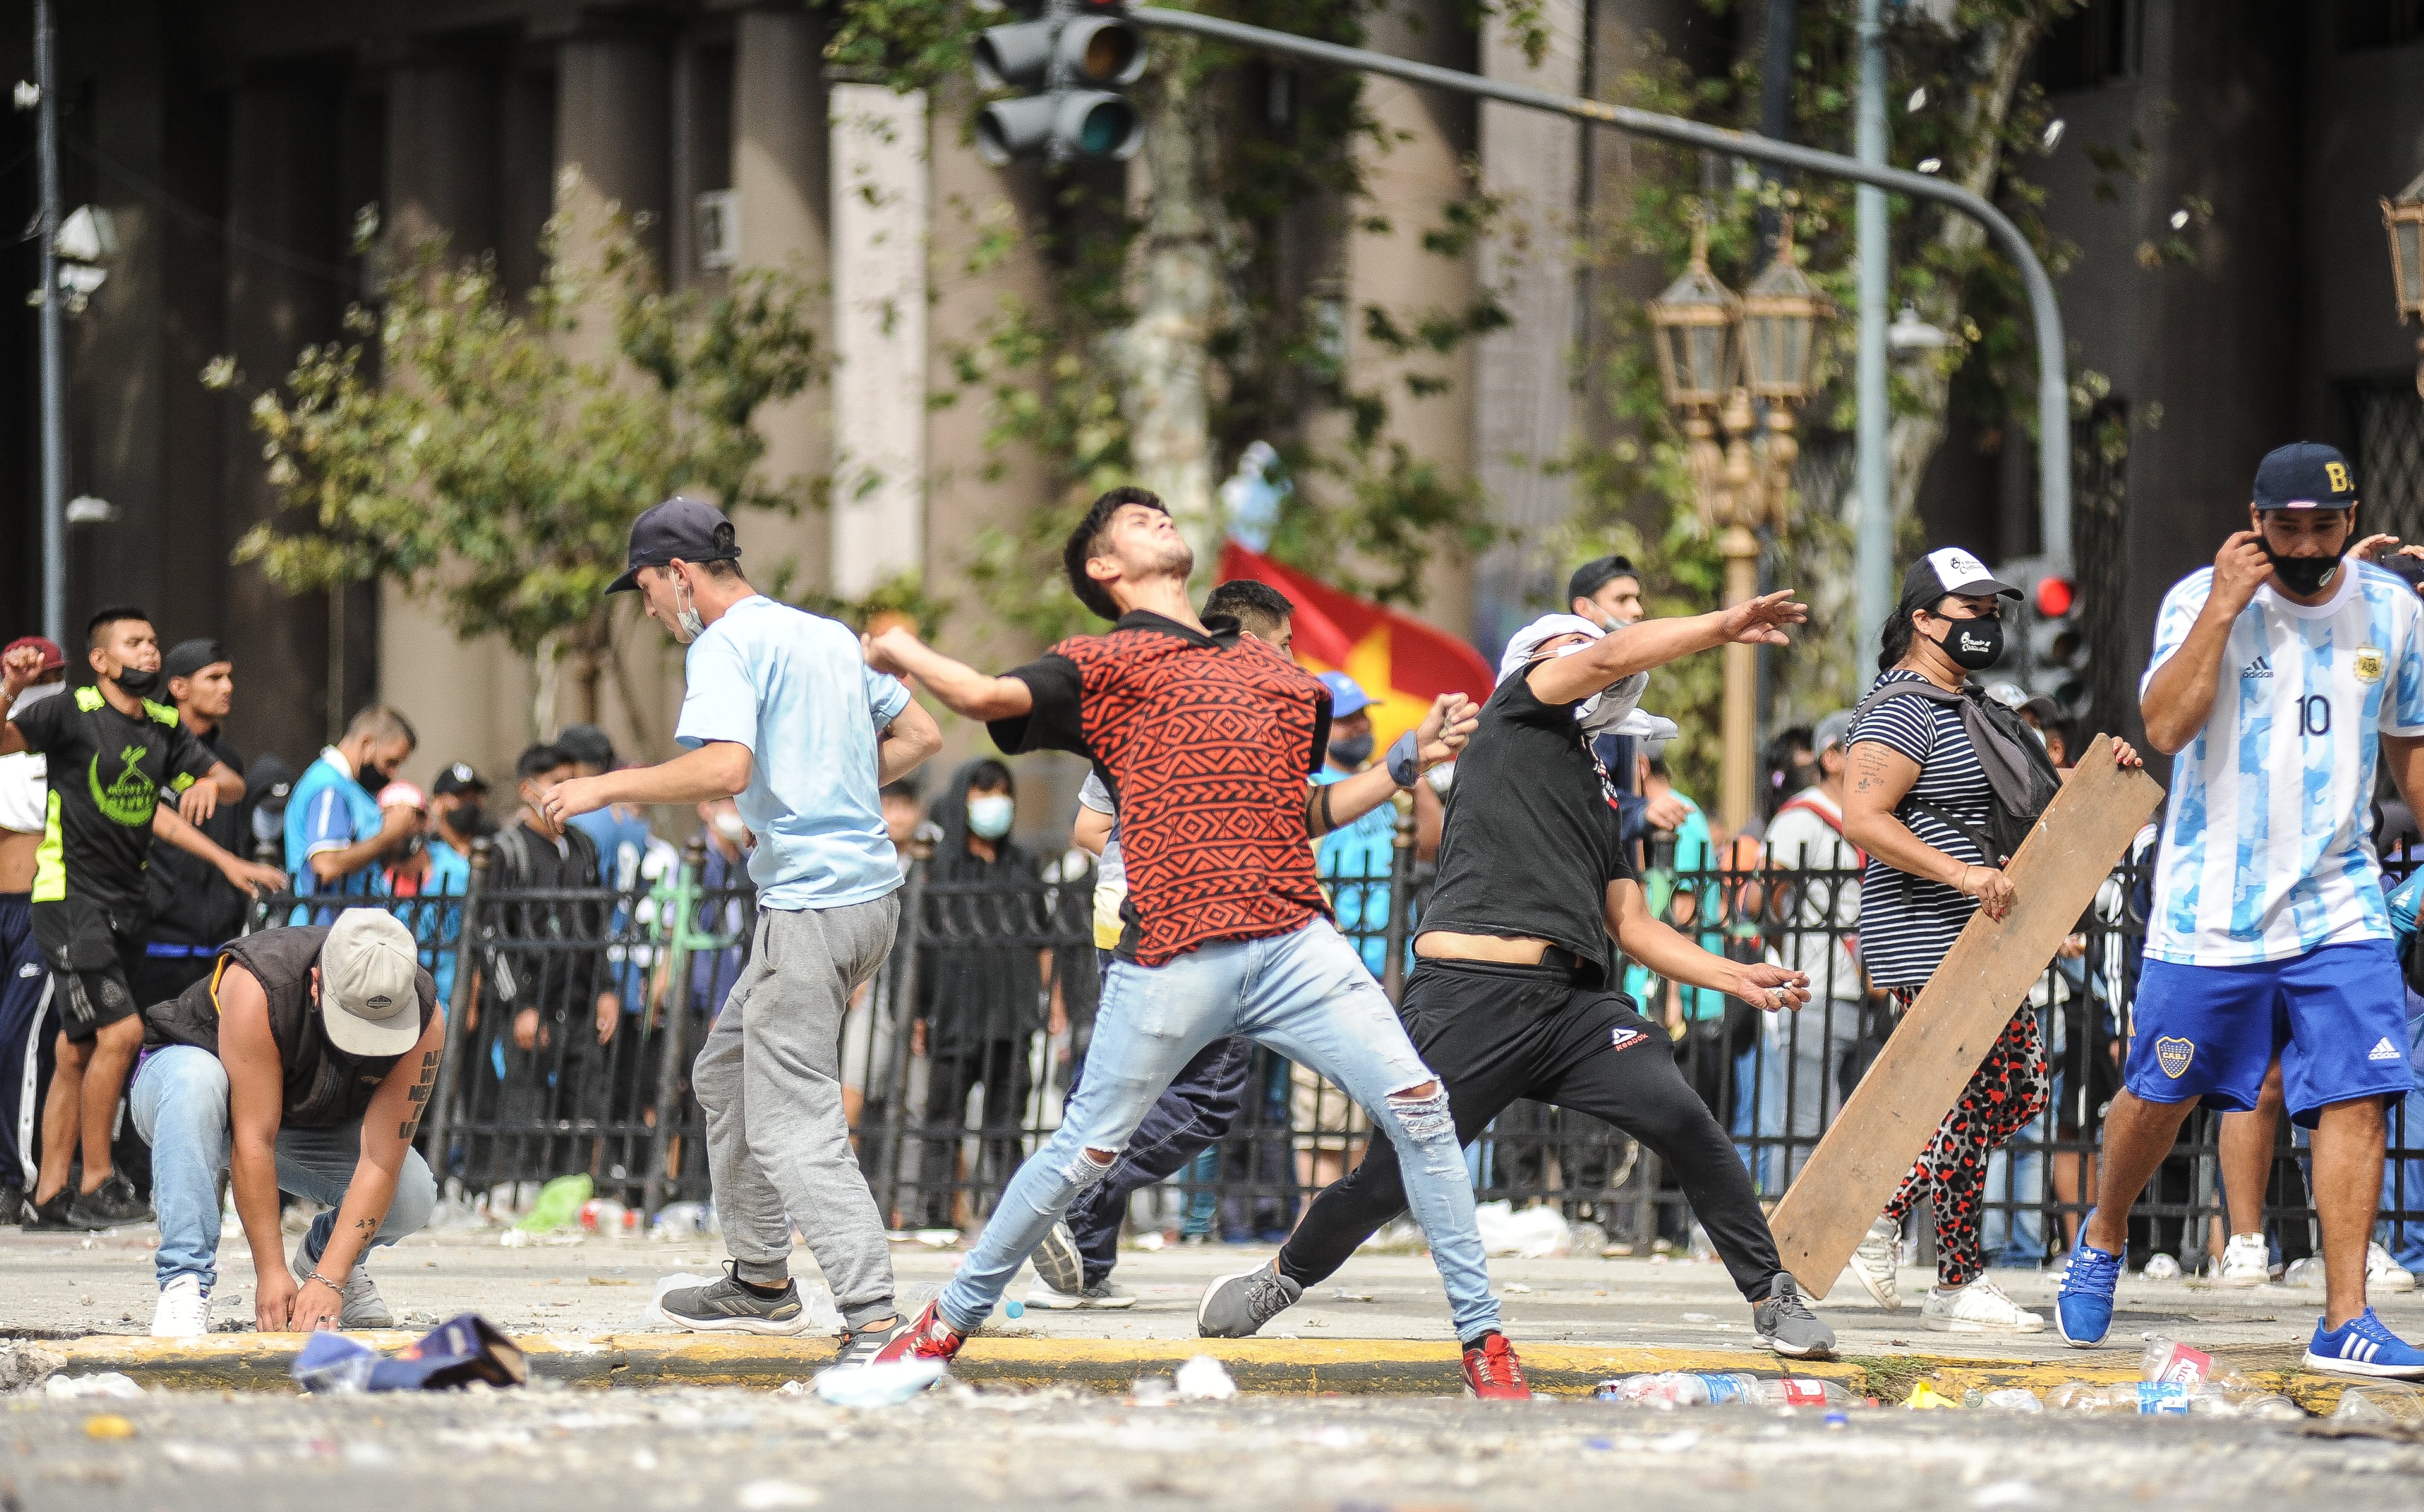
(303, 1063)
(1508, 998)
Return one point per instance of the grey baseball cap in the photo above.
(1831, 730)
(369, 1003)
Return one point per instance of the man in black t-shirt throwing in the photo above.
(1508, 998)
(110, 750)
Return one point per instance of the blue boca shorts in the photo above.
(2336, 1017)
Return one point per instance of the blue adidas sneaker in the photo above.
(2362, 1346)
(2082, 1308)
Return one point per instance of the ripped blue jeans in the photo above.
(1308, 996)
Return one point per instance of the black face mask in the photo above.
(2304, 576)
(1974, 644)
(375, 778)
(139, 684)
(1351, 750)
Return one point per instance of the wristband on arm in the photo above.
(1404, 761)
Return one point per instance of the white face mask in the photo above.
(687, 625)
(989, 815)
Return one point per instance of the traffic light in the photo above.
(1075, 56)
(2053, 644)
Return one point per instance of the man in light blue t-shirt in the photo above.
(782, 714)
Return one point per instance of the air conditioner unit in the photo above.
(719, 229)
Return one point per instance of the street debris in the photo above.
(1204, 1379)
(1534, 1234)
(107, 1383)
(458, 1353)
(876, 1385)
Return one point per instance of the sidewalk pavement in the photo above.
(81, 1302)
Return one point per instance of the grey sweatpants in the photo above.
(768, 1080)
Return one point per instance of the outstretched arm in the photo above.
(247, 877)
(1653, 643)
(718, 769)
(961, 688)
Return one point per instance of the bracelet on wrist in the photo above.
(316, 1276)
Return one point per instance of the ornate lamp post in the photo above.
(1716, 355)
(2403, 218)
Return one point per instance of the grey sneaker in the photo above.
(1235, 1306)
(727, 1307)
(112, 1204)
(1784, 1323)
(362, 1307)
(1057, 1264)
(859, 1346)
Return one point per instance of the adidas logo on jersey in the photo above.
(2384, 1050)
(2261, 667)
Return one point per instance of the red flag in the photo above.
(1402, 662)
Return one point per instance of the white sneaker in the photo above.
(2384, 1274)
(1103, 1294)
(2246, 1261)
(184, 1311)
(1874, 1263)
(1980, 1307)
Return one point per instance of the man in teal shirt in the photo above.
(1354, 859)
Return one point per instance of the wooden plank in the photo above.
(1891, 1116)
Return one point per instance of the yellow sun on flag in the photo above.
(1368, 661)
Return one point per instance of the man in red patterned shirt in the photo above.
(1207, 742)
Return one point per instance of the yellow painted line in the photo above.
(1272, 1366)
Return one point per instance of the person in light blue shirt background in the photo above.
(337, 841)
(2403, 1180)
(1355, 858)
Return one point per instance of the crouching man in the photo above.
(302, 1062)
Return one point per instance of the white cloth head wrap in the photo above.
(1603, 711)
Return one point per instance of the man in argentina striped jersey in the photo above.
(2278, 673)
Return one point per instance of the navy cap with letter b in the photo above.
(689, 529)
(2304, 475)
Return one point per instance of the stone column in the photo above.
(1523, 397)
(881, 212)
(282, 178)
(779, 174)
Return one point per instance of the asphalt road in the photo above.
(683, 1449)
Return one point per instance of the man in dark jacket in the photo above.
(195, 908)
(302, 1063)
(981, 990)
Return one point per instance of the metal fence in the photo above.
(575, 1015)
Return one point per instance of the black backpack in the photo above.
(2020, 777)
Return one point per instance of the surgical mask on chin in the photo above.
(688, 623)
(1974, 644)
(2304, 576)
(139, 684)
(1351, 750)
(989, 815)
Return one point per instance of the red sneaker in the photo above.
(1493, 1373)
(927, 1337)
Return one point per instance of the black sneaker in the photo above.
(1234, 1306)
(727, 1307)
(1784, 1323)
(50, 1217)
(110, 1206)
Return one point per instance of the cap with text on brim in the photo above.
(1347, 695)
(459, 778)
(2304, 475)
(692, 529)
(369, 1003)
(1950, 570)
(187, 658)
(53, 659)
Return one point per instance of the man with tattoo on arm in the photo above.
(303, 1061)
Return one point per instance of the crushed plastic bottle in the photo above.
(605, 1217)
(679, 1220)
(2155, 1398)
(1671, 1388)
(2168, 1361)
(2011, 1399)
(2380, 1404)
(2084, 1396)
(1806, 1391)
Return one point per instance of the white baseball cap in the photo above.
(1950, 570)
(370, 1004)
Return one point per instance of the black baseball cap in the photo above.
(1596, 574)
(1950, 570)
(691, 529)
(2304, 475)
(459, 778)
(187, 658)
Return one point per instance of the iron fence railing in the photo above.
(575, 1014)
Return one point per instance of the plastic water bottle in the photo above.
(2166, 1361)
(1672, 1389)
(2012, 1399)
(2160, 1398)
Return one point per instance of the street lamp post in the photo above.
(2403, 218)
(1716, 355)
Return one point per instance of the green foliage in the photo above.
(491, 467)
